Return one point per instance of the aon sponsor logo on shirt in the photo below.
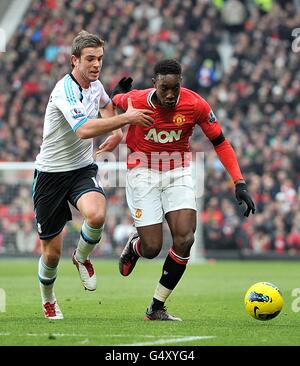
(163, 136)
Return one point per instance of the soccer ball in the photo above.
(263, 301)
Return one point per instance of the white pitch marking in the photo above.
(170, 340)
(86, 340)
(75, 335)
(45, 334)
(55, 334)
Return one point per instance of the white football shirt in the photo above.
(68, 108)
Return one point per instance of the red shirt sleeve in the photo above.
(207, 120)
(229, 160)
(120, 100)
(212, 129)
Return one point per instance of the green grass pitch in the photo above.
(209, 299)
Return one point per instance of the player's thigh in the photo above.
(84, 180)
(177, 197)
(144, 197)
(182, 222)
(179, 204)
(87, 195)
(50, 203)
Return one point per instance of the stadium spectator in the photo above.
(234, 15)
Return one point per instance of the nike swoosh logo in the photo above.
(255, 310)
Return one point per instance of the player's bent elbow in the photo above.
(82, 132)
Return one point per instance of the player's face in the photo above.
(167, 89)
(90, 62)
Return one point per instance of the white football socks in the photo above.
(89, 238)
(47, 277)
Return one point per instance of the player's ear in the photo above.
(153, 81)
(74, 60)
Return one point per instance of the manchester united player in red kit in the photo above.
(159, 182)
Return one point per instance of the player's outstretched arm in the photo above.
(226, 154)
(95, 127)
(229, 160)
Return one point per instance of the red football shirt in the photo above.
(172, 128)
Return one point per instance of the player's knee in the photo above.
(183, 243)
(51, 259)
(95, 219)
(190, 238)
(151, 250)
(151, 253)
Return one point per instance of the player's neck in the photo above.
(80, 79)
(155, 100)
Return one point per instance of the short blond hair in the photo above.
(83, 40)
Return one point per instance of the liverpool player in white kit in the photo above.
(159, 183)
(65, 169)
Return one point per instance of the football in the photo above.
(263, 301)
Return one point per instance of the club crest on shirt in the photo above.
(179, 119)
(212, 117)
(77, 112)
(138, 213)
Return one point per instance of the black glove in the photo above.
(123, 86)
(242, 194)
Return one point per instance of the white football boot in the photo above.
(86, 272)
(52, 311)
(49, 303)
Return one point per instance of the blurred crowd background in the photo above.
(236, 54)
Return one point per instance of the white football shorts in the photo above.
(151, 194)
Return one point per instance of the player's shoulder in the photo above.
(191, 96)
(66, 86)
(97, 85)
(142, 96)
(140, 93)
